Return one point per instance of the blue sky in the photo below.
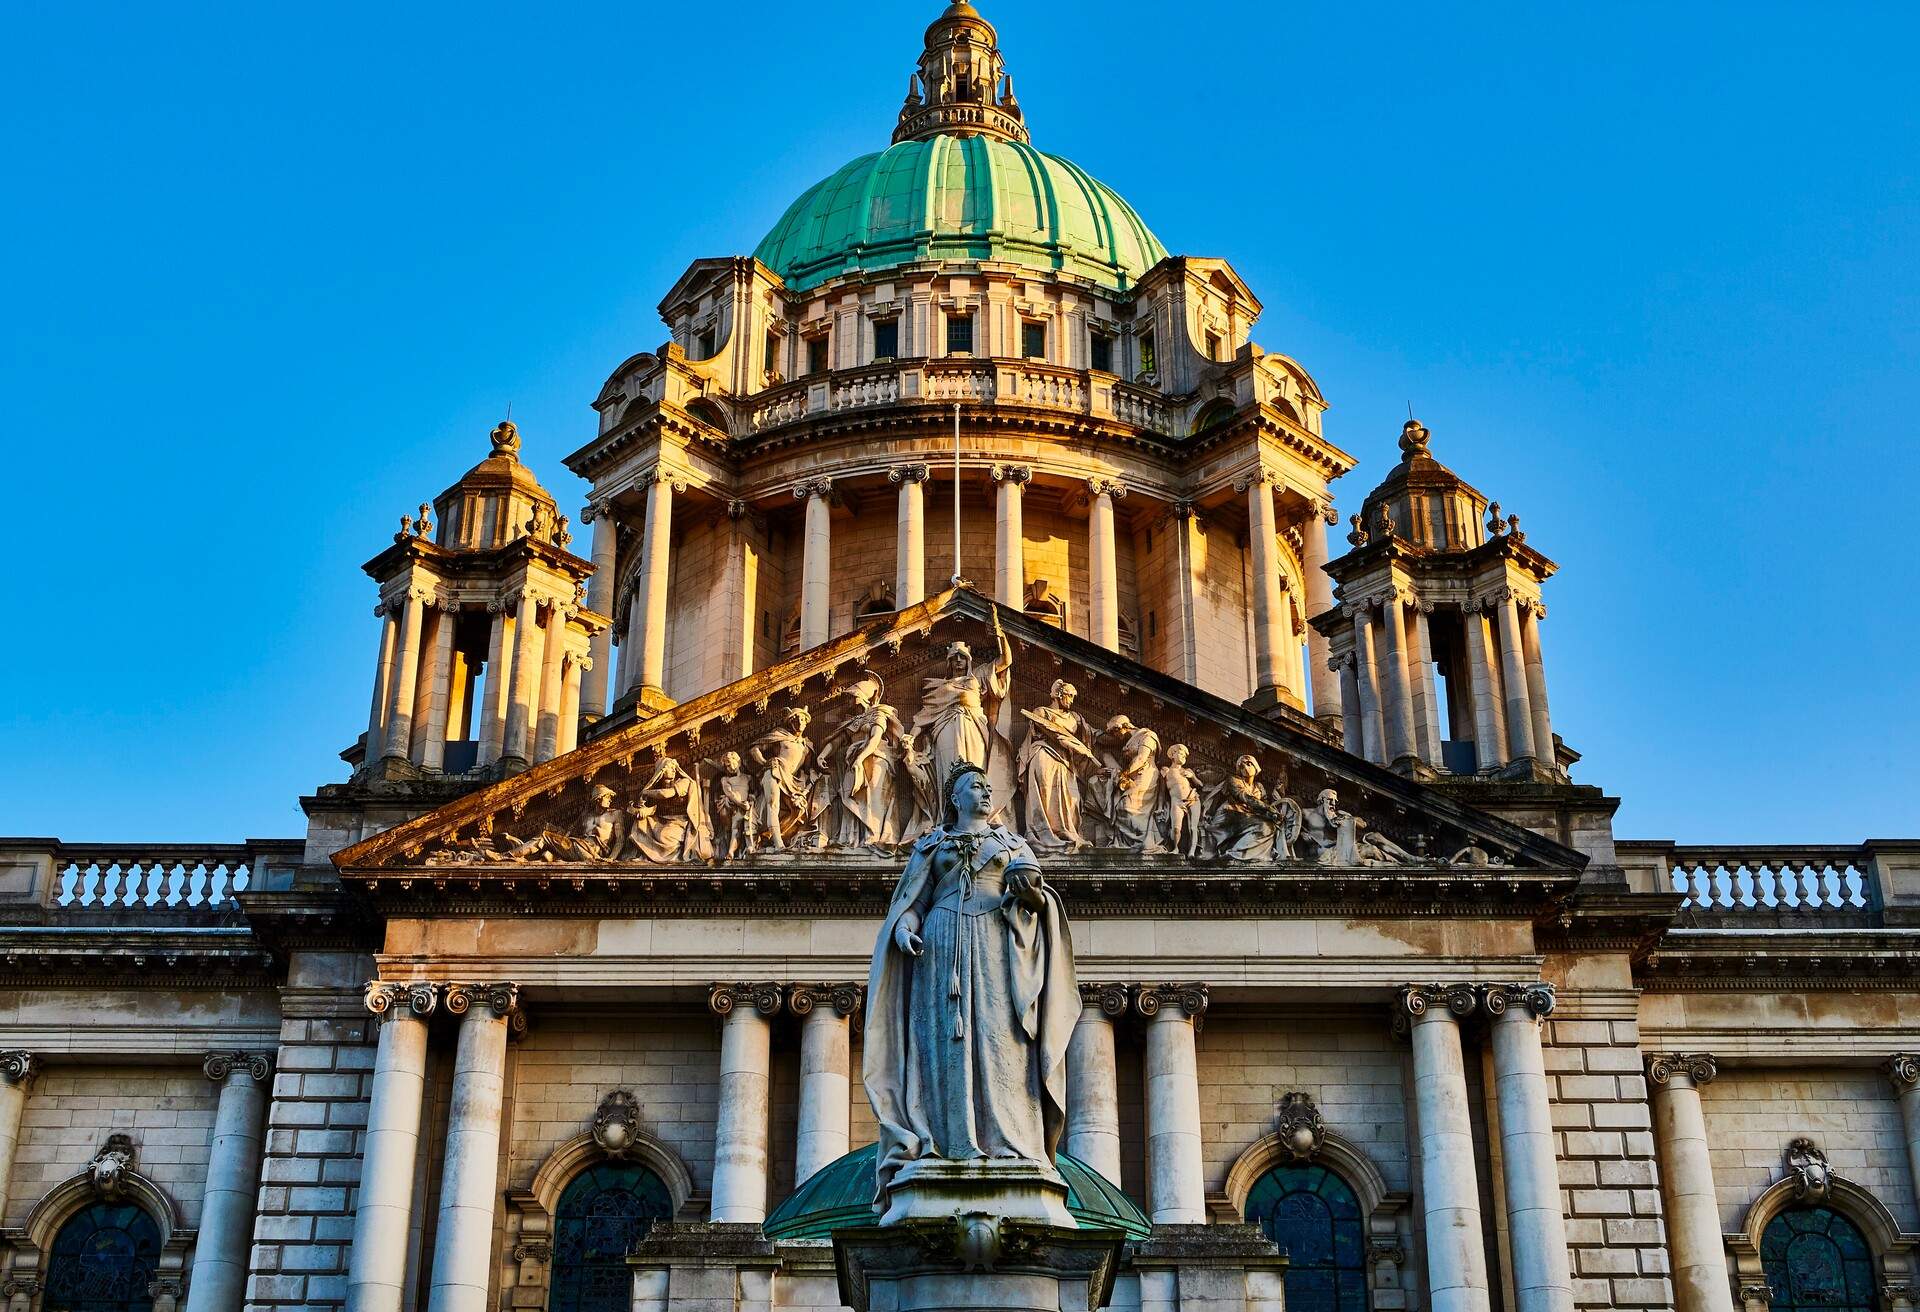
(1649, 272)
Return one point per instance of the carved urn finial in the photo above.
(506, 439)
(1413, 438)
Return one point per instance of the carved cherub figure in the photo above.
(1180, 809)
(733, 805)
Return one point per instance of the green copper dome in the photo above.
(960, 198)
(840, 1194)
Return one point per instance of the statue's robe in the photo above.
(965, 1051)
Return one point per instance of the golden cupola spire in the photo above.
(962, 87)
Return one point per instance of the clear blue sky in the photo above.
(1649, 272)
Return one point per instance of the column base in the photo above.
(1268, 701)
(975, 1260)
(643, 702)
(1224, 1268)
(1414, 768)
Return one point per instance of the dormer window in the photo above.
(886, 339)
(959, 334)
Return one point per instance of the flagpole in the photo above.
(956, 494)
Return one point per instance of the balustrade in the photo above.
(161, 877)
(944, 381)
(1773, 880)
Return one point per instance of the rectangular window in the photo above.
(1033, 341)
(959, 334)
(1146, 354)
(773, 354)
(706, 345)
(886, 339)
(1213, 346)
(1101, 351)
(816, 355)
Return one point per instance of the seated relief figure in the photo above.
(1245, 824)
(1341, 838)
(971, 1000)
(1126, 788)
(670, 819)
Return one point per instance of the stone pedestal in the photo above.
(962, 1263)
(935, 1189)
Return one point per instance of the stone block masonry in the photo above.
(323, 1078)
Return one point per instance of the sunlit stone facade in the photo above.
(557, 1003)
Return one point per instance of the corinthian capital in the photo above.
(1536, 999)
(1699, 1067)
(1149, 999)
(390, 1001)
(219, 1065)
(18, 1066)
(766, 999)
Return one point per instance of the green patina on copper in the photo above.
(840, 1194)
(953, 198)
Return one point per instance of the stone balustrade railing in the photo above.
(1789, 885)
(944, 381)
(149, 877)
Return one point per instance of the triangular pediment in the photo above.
(843, 751)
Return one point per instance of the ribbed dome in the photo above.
(960, 198)
(840, 1194)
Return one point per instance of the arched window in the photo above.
(102, 1260)
(1815, 1258)
(601, 1215)
(1313, 1214)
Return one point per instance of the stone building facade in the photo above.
(557, 1002)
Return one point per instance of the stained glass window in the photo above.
(1816, 1258)
(103, 1258)
(1313, 1214)
(605, 1211)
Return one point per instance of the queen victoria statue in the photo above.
(971, 1003)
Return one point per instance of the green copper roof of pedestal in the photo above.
(960, 198)
(840, 1194)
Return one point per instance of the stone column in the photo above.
(546, 738)
(826, 1074)
(1352, 737)
(738, 609)
(606, 542)
(650, 595)
(1537, 684)
(1093, 1095)
(1176, 1176)
(430, 745)
(382, 683)
(1327, 688)
(910, 544)
(17, 1069)
(1397, 688)
(1269, 601)
(1903, 1070)
(577, 668)
(1009, 541)
(816, 563)
(377, 1262)
(740, 1129)
(1700, 1279)
(1488, 749)
(490, 725)
(1367, 675)
(233, 1180)
(469, 1177)
(1103, 574)
(1513, 674)
(406, 675)
(526, 639)
(1426, 689)
(1536, 1227)
(1456, 1254)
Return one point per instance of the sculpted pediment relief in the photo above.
(837, 756)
